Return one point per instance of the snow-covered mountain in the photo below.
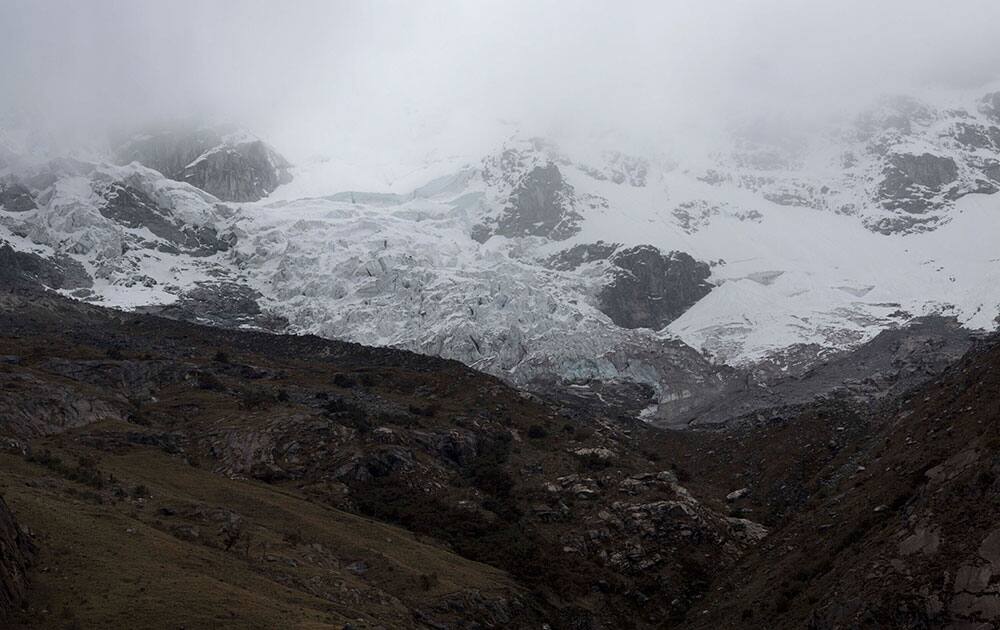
(541, 263)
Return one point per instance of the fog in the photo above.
(331, 77)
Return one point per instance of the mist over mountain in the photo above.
(412, 78)
(499, 314)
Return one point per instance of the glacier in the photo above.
(821, 240)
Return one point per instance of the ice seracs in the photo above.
(538, 263)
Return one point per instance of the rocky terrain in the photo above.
(251, 462)
(254, 459)
(227, 163)
(896, 530)
(16, 553)
(885, 368)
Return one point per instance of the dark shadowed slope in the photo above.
(266, 479)
(900, 528)
(158, 461)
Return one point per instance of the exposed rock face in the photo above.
(886, 367)
(649, 289)
(900, 528)
(14, 197)
(224, 304)
(912, 181)
(646, 288)
(231, 167)
(118, 226)
(540, 205)
(16, 551)
(991, 168)
(169, 151)
(22, 269)
(40, 408)
(977, 136)
(245, 172)
(574, 257)
(914, 186)
(131, 207)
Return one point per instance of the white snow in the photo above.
(399, 268)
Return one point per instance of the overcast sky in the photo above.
(316, 77)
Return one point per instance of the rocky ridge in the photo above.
(227, 163)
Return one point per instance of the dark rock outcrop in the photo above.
(223, 304)
(169, 151)
(991, 169)
(32, 407)
(912, 182)
(242, 170)
(977, 136)
(647, 289)
(540, 205)
(16, 551)
(574, 257)
(133, 208)
(889, 365)
(14, 197)
(896, 530)
(650, 289)
(25, 269)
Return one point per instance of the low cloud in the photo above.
(334, 77)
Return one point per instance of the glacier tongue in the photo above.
(410, 276)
